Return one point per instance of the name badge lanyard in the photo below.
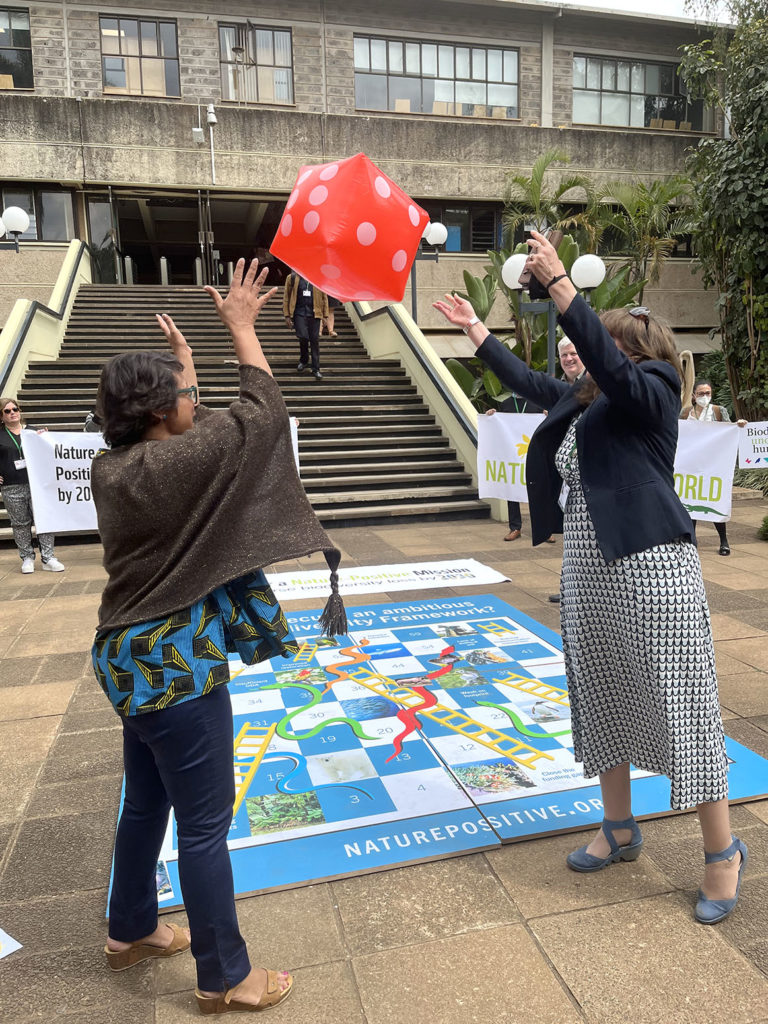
(12, 436)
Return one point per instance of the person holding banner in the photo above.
(704, 410)
(17, 498)
(191, 505)
(636, 633)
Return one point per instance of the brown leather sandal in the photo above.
(122, 959)
(224, 1003)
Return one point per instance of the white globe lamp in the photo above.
(587, 272)
(16, 220)
(512, 269)
(437, 234)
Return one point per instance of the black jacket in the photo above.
(627, 440)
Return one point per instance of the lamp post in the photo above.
(13, 222)
(434, 234)
(587, 272)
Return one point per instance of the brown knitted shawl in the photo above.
(180, 517)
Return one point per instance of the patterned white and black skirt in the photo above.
(639, 656)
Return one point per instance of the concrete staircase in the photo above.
(370, 449)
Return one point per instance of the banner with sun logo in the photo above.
(502, 447)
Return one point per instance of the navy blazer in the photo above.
(627, 440)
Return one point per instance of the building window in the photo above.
(51, 213)
(634, 94)
(435, 78)
(15, 50)
(472, 227)
(256, 64)
(139, 57)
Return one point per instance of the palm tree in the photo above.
(529, 200)
(647, 218)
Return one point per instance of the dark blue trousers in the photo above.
(181, 757)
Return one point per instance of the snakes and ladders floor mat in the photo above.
(430, 729)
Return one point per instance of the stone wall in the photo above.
(29, 274)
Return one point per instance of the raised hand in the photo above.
(172, 333)
(244, 302)
(455, 309)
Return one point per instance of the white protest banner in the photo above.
(373, 579)
(59, 467)
(704, 464)
(502, 445)
(753, 446)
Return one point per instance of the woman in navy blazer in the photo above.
(636, 635)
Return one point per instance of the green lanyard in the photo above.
(13, 438)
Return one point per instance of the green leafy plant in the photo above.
(729, 70)
(762, 532)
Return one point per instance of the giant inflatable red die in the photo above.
(350, 230)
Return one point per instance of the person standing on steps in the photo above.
(17, 497)
(304, 308)
(704, 410)
(600, 468)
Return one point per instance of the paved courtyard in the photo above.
(498, 938)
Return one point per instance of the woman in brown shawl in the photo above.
(192, 504)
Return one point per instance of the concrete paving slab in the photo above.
(69, 921)
(537, 878)
(284, 930)
(55, 856)
(75, 985)
(749, 734)
(35, 701)
(400, 908)
(76, 756)
(18, 671)
(648, 961)
(746, 693)
(24, 746)
(35, 644)
(88, 720)
(64, 665)
(727, 627)
(18, 614)
(6, 831)
(759, 808)
(494, 974)
(749, 651)
(99, 793)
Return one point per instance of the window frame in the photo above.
(471, 78)
(36, 216)
(609, 63)
(10, 11)
(246, 37)
(139, 56)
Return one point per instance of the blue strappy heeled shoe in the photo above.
(580, 860)
(711, 911)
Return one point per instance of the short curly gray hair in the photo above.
(132, 387)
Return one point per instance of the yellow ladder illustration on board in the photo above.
(535, 688)
(305, 653)
(250, 747)
(457, 721)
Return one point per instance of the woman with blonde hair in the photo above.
(17, 497)
(637, 641)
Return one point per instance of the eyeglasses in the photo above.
(11, 408)
(641, 313)
(191, 391)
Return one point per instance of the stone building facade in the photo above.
(93, 123)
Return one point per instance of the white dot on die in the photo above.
(329, 271)
(318, 195)
(292, 199)
(311, 221)
(287, 224)
(382, 187)
(303, 177)
(366, 233)
(399, 260)
(413, 213)
(329, 172)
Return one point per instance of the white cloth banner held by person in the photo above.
(502, 445)
(753, 446)
(704, 464)
(59, 468)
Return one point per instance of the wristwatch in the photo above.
(472, 322)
